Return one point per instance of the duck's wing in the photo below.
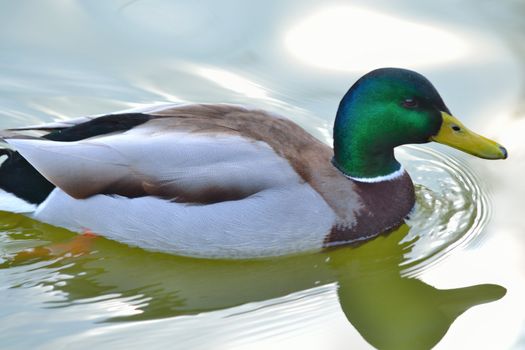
(190, 154)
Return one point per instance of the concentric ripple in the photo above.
(451, 207)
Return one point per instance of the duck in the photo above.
(233, 182)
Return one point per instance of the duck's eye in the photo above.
(410, 103)
(456, 128)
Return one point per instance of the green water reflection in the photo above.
(390, 311)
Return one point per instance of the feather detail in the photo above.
(178, 166)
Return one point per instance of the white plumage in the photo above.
(273, 222)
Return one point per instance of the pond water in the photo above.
(452, 278)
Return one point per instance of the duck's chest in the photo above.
(371, 209)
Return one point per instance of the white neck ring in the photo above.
(392, 176)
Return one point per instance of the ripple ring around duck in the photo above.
(452, 207)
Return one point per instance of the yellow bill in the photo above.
(454, 134)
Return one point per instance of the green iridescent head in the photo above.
(389, 107)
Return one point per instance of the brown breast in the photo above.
(384, 208)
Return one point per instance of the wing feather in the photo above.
(181, 166)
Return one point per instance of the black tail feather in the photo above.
(20, 178)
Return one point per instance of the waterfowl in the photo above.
(226, 181)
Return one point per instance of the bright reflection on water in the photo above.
(350, 38)
(412, 289)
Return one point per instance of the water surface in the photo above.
(439, 281)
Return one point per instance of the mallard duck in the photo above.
(226, 181)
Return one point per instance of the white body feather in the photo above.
(11, 203)
(273, 222)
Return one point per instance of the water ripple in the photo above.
(451, 208)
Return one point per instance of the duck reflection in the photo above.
(395, 312)
(388, 310)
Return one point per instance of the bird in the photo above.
(230, 181)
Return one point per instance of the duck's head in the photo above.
(389, 107)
